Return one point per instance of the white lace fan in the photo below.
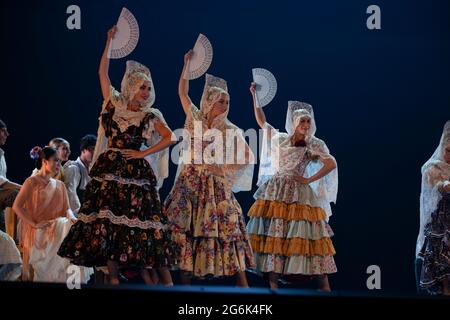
(201, 59)
(126, 37)
(266, 86)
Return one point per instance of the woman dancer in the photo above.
(42, 206)
(120, 222)
(205, 217)
(433, 242)
(297, 181)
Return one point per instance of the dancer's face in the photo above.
(64, 151)
(221, 105)
(52, 165)
(3, 136)
(447, 153)
(87, 154)
(304, 126)
(143, 93)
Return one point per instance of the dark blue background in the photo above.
(380, 97)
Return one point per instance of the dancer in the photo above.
(76, 173)
(62, 146)
(205, 217)
(8, 189)
(42, 206)
(120, 222)
(297, 181)
(433, 242)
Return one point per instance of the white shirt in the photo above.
(76, 175)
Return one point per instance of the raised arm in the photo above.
(259, 113)
(103, 69)
(183, 85)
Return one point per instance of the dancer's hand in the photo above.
(253, 88)
(302, 179)
(111, 32)
(188, 56)
(132, 154)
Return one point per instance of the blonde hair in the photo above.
(57, 142)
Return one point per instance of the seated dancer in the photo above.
(76, 173)
(120, 222)
(204, 215)
(433, 242)
(8, 189)
(297, 181)
(42, 206)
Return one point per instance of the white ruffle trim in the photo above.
(112, 177)
(121, 220)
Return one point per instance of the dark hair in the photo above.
(2, 124)
(88, 141)
(38, 154)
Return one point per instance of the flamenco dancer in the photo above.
(205, 218)
(297, 181)
(433, 242)
(120, 222)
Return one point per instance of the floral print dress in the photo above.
(121, 217)
(205, 218)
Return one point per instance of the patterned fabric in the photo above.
(121, 216)
(288, 227)
(436, 249)
(208, 224)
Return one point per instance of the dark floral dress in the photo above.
(436, 249)
(120, 218)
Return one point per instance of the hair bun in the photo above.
(35, 153)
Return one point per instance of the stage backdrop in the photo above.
(381, 97)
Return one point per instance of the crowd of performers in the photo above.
(103, 212)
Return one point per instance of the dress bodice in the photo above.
(121, 136)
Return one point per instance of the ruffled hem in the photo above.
(314, 265)
(120, 220)
(280, 228)
(293, 246)
(139, 203)
(280, 210)
(211, 257)
(287, 190)
(96, 243)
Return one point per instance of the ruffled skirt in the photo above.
(289, 232)
(121, 217)
(436, 249)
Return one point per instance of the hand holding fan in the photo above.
(266, 86)
(201, 59)
(126, 36)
